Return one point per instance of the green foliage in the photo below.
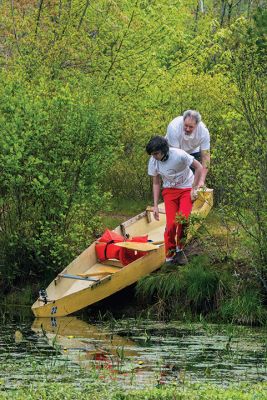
(244, 178)
(20, 297)
(50, 170)
(202, 288)
(186, 391)
(85, 85)
(162, 284)
(244, 308)
(193, 287)
(201, 284)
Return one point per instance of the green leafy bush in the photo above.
(50, 168)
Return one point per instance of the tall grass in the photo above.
(244, 308)
(203, 289)
(194, 286)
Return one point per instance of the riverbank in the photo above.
(58, 391)
(218, 284)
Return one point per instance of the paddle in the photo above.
(139, 246)
(96, 274)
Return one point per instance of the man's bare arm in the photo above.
(205, 161)
(156, 193)
(197, 178)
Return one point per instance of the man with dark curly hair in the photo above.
(172, 166)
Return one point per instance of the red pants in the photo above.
(177, 202)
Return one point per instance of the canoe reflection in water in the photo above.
(113, 356)
(85, 343)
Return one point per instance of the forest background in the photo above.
(85, 84)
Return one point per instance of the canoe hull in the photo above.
(102, 289)
(66, 296)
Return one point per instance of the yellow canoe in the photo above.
(86, 281)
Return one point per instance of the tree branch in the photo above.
(40, 6)
(14, 27)
(83, 13)
(120, 44)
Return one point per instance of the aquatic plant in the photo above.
(20, 296)
(120, 353)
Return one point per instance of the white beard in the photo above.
(189, 137)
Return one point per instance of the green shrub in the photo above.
(50, 172)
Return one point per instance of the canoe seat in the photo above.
(113, 263)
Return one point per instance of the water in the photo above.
(135, 353)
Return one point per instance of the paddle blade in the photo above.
(137, 246)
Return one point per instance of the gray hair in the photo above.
(192, 114)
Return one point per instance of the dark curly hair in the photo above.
(157, 143)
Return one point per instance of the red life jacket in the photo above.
(106, 249)
(127, 256)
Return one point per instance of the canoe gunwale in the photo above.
(132, 220)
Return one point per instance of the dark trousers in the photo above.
(197, 157)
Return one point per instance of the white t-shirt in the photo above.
(198, 140)
(175, 171)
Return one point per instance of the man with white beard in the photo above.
(190, 134)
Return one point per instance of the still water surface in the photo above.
(133, 352)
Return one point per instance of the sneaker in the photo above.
(170, 256)
(180, 258)
(169, 260)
